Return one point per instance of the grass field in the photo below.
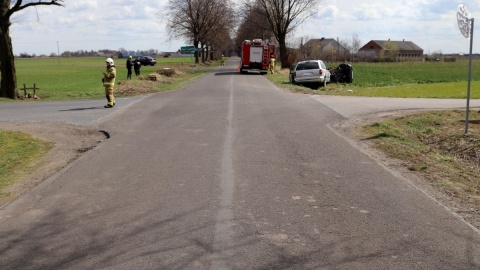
(80, 78)
(404, 79)
(402, 73)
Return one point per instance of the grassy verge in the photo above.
(20, 154)
(80, 78)
(167, 78)
(402, 80)
(434, 145)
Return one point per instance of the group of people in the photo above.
(136, 66)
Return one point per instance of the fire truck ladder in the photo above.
(265, 55)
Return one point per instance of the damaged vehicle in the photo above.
(342, 74)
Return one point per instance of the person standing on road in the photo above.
(129, 68)
(136, 66)
(109, 82)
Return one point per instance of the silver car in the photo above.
(311, 72)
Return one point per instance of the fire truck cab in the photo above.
(255, 56)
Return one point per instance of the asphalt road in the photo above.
(228, 173)
(84, 113)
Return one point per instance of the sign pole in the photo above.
(469, 75)
(465, 24)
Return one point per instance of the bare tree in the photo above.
(219, 39)
(390, 51)
(217, 34)
(283, 16)
(184, 21)
(8, 85)
(254, 25)
(352, 45)
(195, 19)
(356, 44)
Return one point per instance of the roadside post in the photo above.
(466, 23)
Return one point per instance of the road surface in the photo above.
(228, 173)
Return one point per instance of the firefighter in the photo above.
(109, 82)
(272, 63)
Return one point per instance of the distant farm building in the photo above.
(390, 50)
(327, 49)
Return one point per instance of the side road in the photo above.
(358, 107)
(80, 113)
(91, 112)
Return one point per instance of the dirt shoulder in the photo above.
(69, 143)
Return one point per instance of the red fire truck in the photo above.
(256, 56)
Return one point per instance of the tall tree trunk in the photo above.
(195, 44)
(205, 51)
(283, 52)
(8, 85)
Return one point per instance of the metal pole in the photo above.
(469, 76)
(58, 53)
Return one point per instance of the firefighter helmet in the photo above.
(109, 61)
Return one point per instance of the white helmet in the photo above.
(109, 61)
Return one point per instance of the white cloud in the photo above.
(431, 24)
(95, 24)
(83, 5)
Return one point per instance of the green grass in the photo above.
(434, 145)
(401, 80)
(407, 73)
(80, 78)
(20, 153)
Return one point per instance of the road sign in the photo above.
(463, 20)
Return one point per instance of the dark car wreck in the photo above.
(342, 74)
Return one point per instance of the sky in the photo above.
(139, 25)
